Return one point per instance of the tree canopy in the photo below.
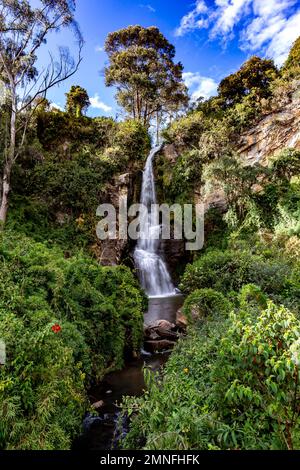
(142, 67)
(256, 74)
(77, 101)
(293, 59)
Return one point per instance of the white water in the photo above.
(152, 270)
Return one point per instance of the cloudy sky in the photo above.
(212, 39)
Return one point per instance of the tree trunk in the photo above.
(9, 162)
(4, 199)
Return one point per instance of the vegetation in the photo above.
(77, 101)
(233, 382)
(65, 322)
(141, 66)
(23, 31)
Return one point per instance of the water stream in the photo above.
(164, 301)
(100, 431)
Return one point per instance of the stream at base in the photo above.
(99, 431)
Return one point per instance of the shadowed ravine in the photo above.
(100, 432)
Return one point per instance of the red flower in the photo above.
(56, 328)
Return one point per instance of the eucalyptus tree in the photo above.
(24, 30)
(141, 66)
(78, 101)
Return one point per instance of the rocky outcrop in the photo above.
(126, 186)
(276, 131)
(160, 336)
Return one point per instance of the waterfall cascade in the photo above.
(152, 269)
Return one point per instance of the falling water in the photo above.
(152, 270)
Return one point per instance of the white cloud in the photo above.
(228, 13)
(98, 104)
(99, 49)
(56, 106)
(193, 20)
(200, 86)
(280, 44)
(148, 6)
(268, 27)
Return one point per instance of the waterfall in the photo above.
(152, 269)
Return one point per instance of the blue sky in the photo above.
(212, 39)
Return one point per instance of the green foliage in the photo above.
(285, 165)
(292, 64)
(65, 171)
(229, 270)
(187, 130)
(77, 101)
(255, 75)
(204, 303)
(234, 384)
(133, 140)
(141, 66)
(99, 313)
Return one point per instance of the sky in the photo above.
(212, 39)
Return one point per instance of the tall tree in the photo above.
(23, 31)
(78, 101)
(255, 74)
(141, 66)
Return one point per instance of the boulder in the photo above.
(164, 324)
(98, 404)
(163, 333)
(181, 320)
(159, 345)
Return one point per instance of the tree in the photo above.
(293, 60)
(149, 83)
(23, 31)
(255, 73)
(77, 101)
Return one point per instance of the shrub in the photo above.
(229, 270)
(65, 322)
(204, 303)
(234, 384)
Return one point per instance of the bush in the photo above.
(233, 384)
(229, 270)
(65, 322)
(187, 130)
(205, 303)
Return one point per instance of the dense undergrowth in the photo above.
(65, 321)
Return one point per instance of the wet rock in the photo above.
(165, 324)
(159, 345)
(98, 404)
(150, 333)
(168, 334)
(145, 353)
(90, 421)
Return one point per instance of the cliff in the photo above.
(275, 131)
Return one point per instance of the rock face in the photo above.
(125, 187)
(275, 131)
(279, 129)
